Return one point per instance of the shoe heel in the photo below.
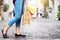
(4, 35)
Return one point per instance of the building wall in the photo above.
(6, 14)
(10, 3)
(55, 8)
(56, 3)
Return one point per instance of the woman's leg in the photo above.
(17, 10)
(18, 26)
(11, 22)
(18, 22)
(18, 33)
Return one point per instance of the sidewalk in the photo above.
(40, 29)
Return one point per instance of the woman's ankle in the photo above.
(4, 32)
(17, 33)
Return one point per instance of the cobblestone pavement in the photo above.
(39, 29)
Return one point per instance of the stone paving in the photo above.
(39, 29)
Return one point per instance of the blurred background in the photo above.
(42, 8)
(44, 16)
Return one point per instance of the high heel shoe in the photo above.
(4, 35)
(20, 35)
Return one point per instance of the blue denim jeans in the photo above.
(18, 13)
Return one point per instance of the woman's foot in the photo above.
(4, 35)
(20, 35)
